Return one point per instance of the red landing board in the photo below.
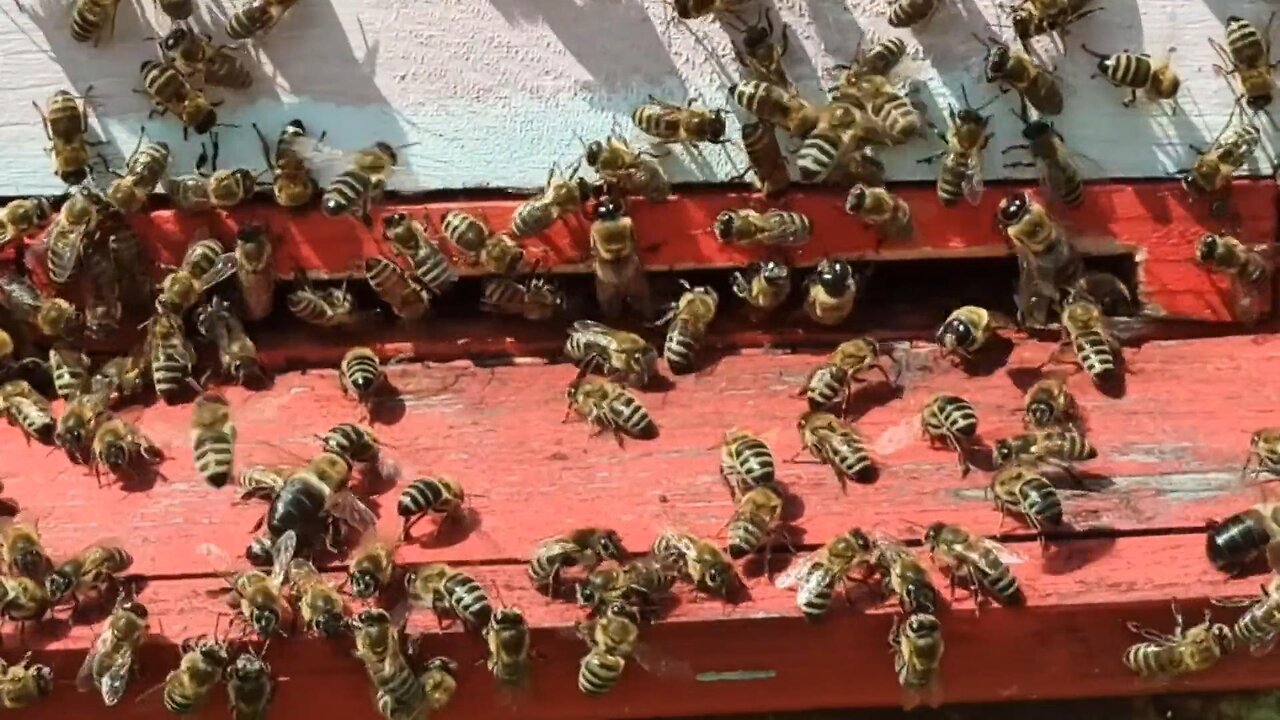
(1170, 452)
(1155, 221)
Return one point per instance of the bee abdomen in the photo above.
(88, 19)
(33, 419)
(680, 349)
(905, 13)
(817, 156)
(532, 217)
(1000, 582)
(850, 459)
(825, 387)
(1040, 501)
(1247, 46)
(468, 599)
(421, 496)
(169, 373)
(746, 535)
(434, 270)
(632, 418)
(214, 453)
(954, 414)
(1127, 69)
(1095, 354)
(814, 594)
(346, 191)
(599, 672)
(951, 177)
(656, 122)
(1150, 659)
(752, 462)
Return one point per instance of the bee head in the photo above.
(610, 545)
(1013, 208)
(592, 154)
(442, 664)
(58, 585)
(43, 209)
(175, 39)
(115, 456)
(861, 541)
(373, 616)
(857, 198)
(508, 616)
(395, 220)
(215, 653)
(44, 678)
(199, 116)
(327, 624)
(265, 620)
(388, 151)
(586, 594)
(716, 125)
(920, 623)
(717, 577)
(835, 278)
(296, 126)
(955, 333)
(364, 584)
(1041, 413)
(998, 57)
(74, 176)
(135, 608)
(774, 272)
(1223, 636)
(624, 610)
(969, 116)
(1037, 129)
(725, 223)
(1003, 452)
(1207, 247)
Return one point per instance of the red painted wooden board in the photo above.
(1153, 220)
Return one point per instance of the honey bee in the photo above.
(377, 638)
(976, 560)
(508, 639)
(775, 228)
(831, 382)
(699, 560)
(1031, 18)
(639, 582)
(837, 444)
(760, 55)
(754, 521)
(622, 355)
(1157, 79)
(1233, 544)
(634, 172)
(431, 267)
(967, 330)
(500, 254)
(746, 462)
(1020, 490)
(103, 309)
(960, 173)
(58, 318)
(24, 683)
(446, 590)
(324, 307)
(611, 639)
(618, 273)
(689, 317)
(772, 175)
(892, 113)
(466, 232)
(907, 13)
(1226, 254)
(584, 547)
(145, 168)
(399, 693)
(254, 271)
(362, 184)
(670, 123)
(196, 56)
(182, 289)
(917, 653)
(109, 663)
(1259, 626)
(237, 355)
(1248, 55)
(32, 416)
(213, 437)
(92, 570)
(536, 299)
(67, 235)
(605, 405)
(1058, 172)
(1059, 446)
(118, 444)
(220, 189)
(950, 419)
(430, 496)
(1034, 82)
(126, 252)
(176, 10)
(396, 288)
(360, 374)
(1195, 649)
(22, 551)
(905, 577)
(881, 58)
(358, 444)
(777, 106)
(1028, 225)
(314, 498)
(559, 197)
(65, 127)
(256, 595)
(440, 680)
(765, 287)
(249, 684)
(373, 565)
(93, 20)
(170, 93)
(256, 18)
(75, 427)
(842, 131)
(878, 208)
(70, 370)
(321, 606)
(817, 575)
(831, 291)
(21, 218)
(1089, 335)
(292, 183)
(1049, 404)
(1264, 453)
(187, 688)
(1214, 166)
(23, 599)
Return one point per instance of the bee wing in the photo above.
(1263, 646)
(796, 572)
(323, 159)
(661, 664)
(350, 508)
(972, 183)
(216, 556)
(116, 680)
(1007, 556)
(84, 676)
(224, 268)
(282, 555)
(929, 695)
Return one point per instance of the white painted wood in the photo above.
(493, 91)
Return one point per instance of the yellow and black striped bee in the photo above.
(633, 172)
(256, 18)
(1248, 56)
(444, 589)
(608, 406)
(204, 265)
(322, 607)
(754, 522)
(1021, 490)
(1226, 254)
(1214, 167)
(250, 688)
(619, 276)
(325, 307)
(255, 270)
(894, 118)
(21, 549)
(765, 287)
(118, 444)
(903, 575)
(508, 639)
(585, 547)
(28, 410)
(830, 383)
(109, 665)
(1056, 446)
(436, 495)
(745, 462)
(90, 571)
(21, 218)
(1157, 79)
(689, 317)
(1058, 172)
(397, 288)
(1259, 626)
(171, 354)
(952, 420)
(221, 189)
(1189, 650)
(1049, 404)
(621, 355)
(699, 560)
(830, 293)
(93, 20)
(842, 132)
(967, 330)
(775, 228)
(776, 106)
(144, 170)
(69, 232)
(1032, 18)
(170, 93)
(960, 173)
(187, 688)
(24, 683)
(65, 125)
(362, 184)
(536, 299)
(360, 374)
(908, 13)
(466, 232)
(760, 54)
(292, 183)
(961, 555)
(1089, 335)
(837, 444)
(560, 196)
(670, 123)
(917, 647)
(879, 59)
(772, 175)
(372, 566)
(1034, 82)
(431, 267)
(817, 575)
(611, 640)
(196, 56)
(213, 438)
(878, 208)
(237, 353)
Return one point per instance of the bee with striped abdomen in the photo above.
(398, 693)
(1039, 240)
(93, 20)
(1021, 490)
(670, 123)
(171, 355)
(967, 330)
(1264, 453)
(436, 495)
(611, 640)
(622, 356)
(1214, 167)
(903, 576)
(754, 522)
(746, 462)
(1259, 626)
(466, 232)
(842, 131)
(144, 170)
(583, 547)
(817, 575)
(361, 375)
(29, 410)
(324, 307)
(170, 93)
(292, 183)
(976, 560)
(775, 228)
(446, 590)
(70, 230)
(70, 370)
(760, 142)
(255, 270)
(909, 13)
(1058, 172)
(1234, 543)
(237, 354)
(24, 683)
(257, 596)
(372, 566)
(560, 196)
(634, 172)
(1049, 404)
(119, 445)
(75, 427)
(1032, 18)
(1226, 254)
(22, 550)
(220, 189)
(831, 382)
(777, 106)
(878, 208)
(396, 288)
(619, 276)
(187, 688)
(894, 118)
(90, 571)
(250, 688)
(765, 287)
(213, 438)
(607, 406)
(204, 265)
(1033, 81)
(21, 218)
(1194, 649)
(256, 17)
(1057, 446)
(689, 317)
(881, 58)
(500, 255)
(640, 582)
(204, 63)
(362, 183)
(507, 637)
(960, 172)
(838, 445)
(65, 126)
(109, 664)
(917, 647)
(536, 299)
(950, 419)
(431, 267)
(1248, 55)
(1089, 336)
(830, 293)
(1157, 79)
(321, 606)
(699, 560)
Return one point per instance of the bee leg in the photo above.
(1133, 97)
(930, 159)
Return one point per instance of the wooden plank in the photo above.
(1152, 220)
(1172, 446)
(1067, 642)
